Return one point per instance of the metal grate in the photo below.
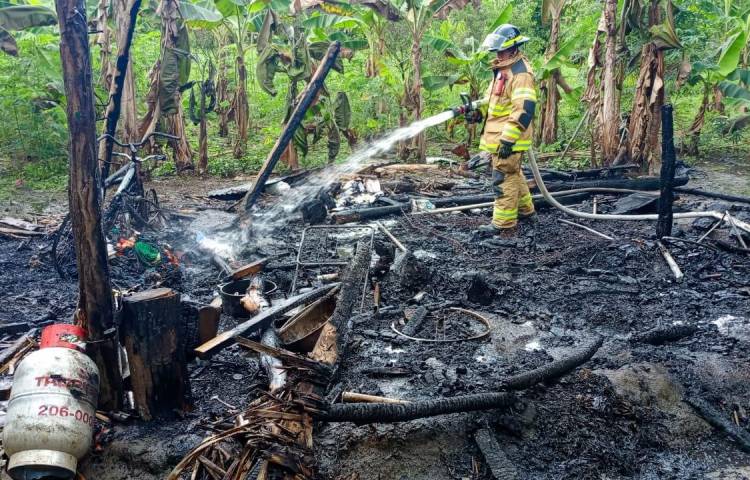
(329, 245)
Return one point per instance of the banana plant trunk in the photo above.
(697, 126)
(183, 154)
(645, 117)
(103, 40)
(95, 305)
(552, 95)
(241, 108)
(419, 144)
(121, 107)
(203, 137)
(610, 114)
(222, 99)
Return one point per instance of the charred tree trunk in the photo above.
(153, 334)
(610, 118)
(122, 85)
(664, 224)
(94, 312)
(241, 108)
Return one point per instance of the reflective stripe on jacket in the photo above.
(512, 104)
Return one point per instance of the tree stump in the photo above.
(153, 333)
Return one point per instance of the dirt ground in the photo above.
(622, 416)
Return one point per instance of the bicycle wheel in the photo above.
(63, 250)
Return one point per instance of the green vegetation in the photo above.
(391, 48)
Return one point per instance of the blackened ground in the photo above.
(621, 416)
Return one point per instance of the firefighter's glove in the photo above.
(473, 116)
(505, 150)
(479, 160)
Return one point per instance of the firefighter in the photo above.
(506, 134)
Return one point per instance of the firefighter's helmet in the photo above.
(504, 37)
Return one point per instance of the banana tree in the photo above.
(723, 75)
(419, 15)
(21, 17)
(238, 20)
(170, 73)
(199, 110)
(552, 11)
(470, 70)
(289, 50)
(645, 117)
(330, 119)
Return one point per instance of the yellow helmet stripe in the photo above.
(512, 41)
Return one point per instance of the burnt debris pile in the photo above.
(366, 329)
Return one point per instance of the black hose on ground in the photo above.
(362, 413)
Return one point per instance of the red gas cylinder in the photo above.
(52, 407)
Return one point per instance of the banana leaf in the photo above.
(300, 141)
(741, 75)
(342, 111)
(318, 50)
(199, 16)
(334, 142)
(266, 68)
(730, 53)
(8, 43)
(300, 68)
(436, 82)
(732, 90)
(21, 17)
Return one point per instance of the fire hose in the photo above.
(602, 216)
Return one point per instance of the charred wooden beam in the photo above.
(717, 420)
(364, 413)
(666, 180)
(308, 96)
(260, 321)
(644, 183)
(718, 195)
(497, 461)
(659, 336)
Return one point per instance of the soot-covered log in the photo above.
(497, 461)
(389, 413)
(363, 413)
(717, 420)
(717, 195)
(552, 370)
(153, 332)
(644, 183)
(659, 336)
(349, 297)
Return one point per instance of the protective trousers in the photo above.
(512, 196)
